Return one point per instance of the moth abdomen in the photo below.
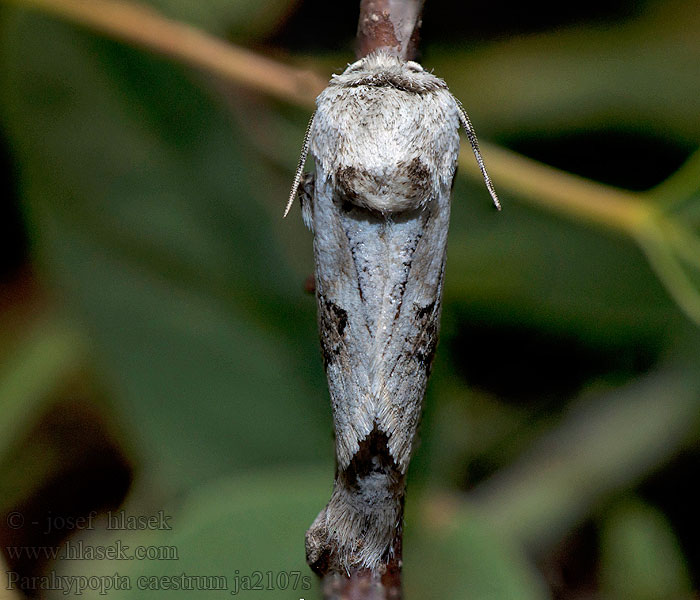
(360, 522)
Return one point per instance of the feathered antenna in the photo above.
(469, 129)
(300, 166)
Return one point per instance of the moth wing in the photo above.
(344, 338)
(379, 283)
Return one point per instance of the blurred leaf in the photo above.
(43, 359)
(602, 445)
(528, 268)
(142, 204)
(474, 562)
(681, 191)
(250, 526)
(577, 89)
(244, 19)
(671, 238)
(641, 558)
(639, 74)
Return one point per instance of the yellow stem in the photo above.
(144, 27)
(558, 191)
(669, 270)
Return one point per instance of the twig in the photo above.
(362, 585)
(143, 27)
(560, 192)
(389, 24)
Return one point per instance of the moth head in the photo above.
(384, 69)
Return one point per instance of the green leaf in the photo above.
(638, 73)
(248, 530)
(473, 562)
(601, 445)
(143, 204)
(530, 269)
(232, 533)
(641, 557)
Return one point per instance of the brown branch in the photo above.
(389, 24)
(362, 585)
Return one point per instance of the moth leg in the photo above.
(305, 191)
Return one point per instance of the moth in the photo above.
(385, 142)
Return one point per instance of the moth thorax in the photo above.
(403, 185)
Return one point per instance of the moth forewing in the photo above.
(385, 142)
